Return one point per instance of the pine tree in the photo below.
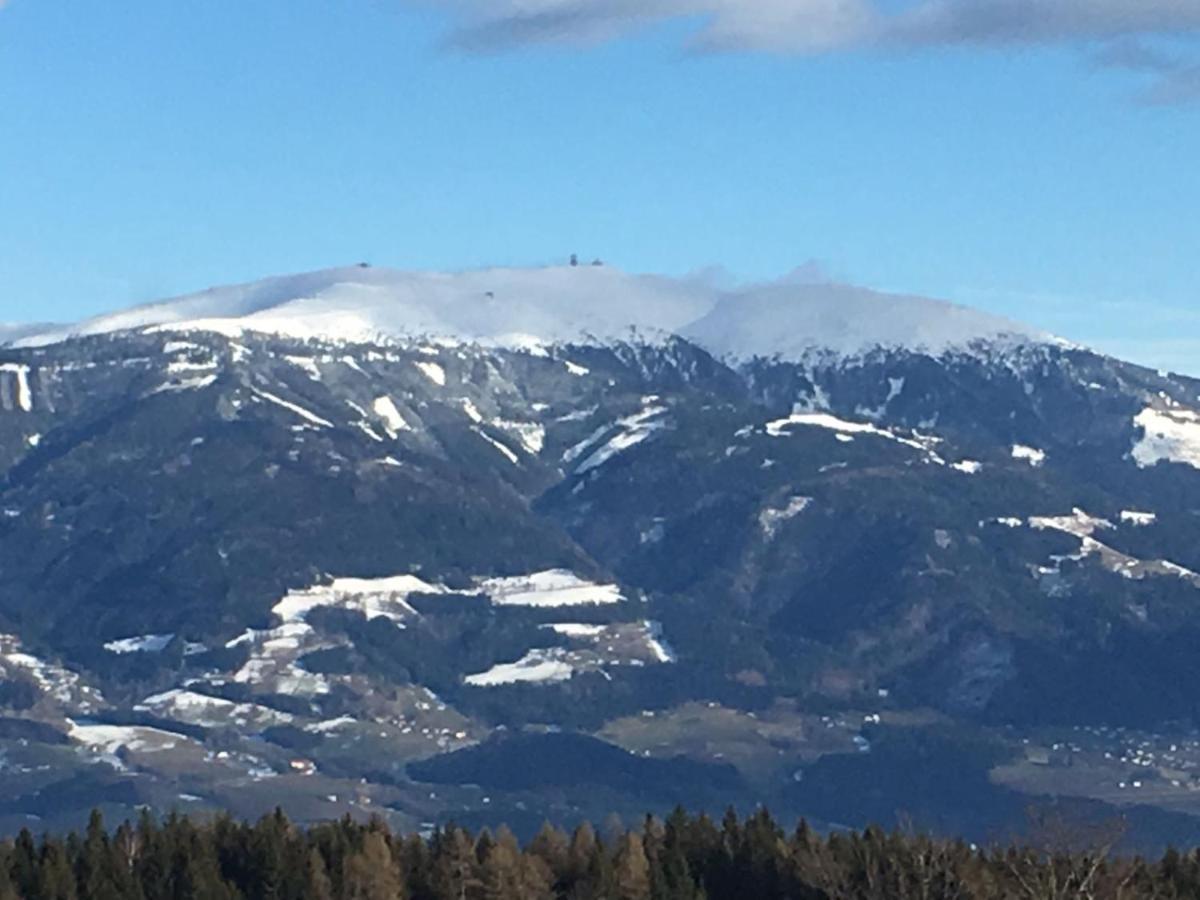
(7, 890)
(457, 868)
(317, 884)
(97, 869)
(55, 880)
(632, 869)
(582, 850)
(24, 864)
(501, 873)
(553, 847)
(371, 873)
(124, 852)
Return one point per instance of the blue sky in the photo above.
(1041, 167)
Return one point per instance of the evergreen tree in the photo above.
(632, 869)
(457, 868)
(8, 890)
(97, 868)
(317, 884)
(55, 880)
(501, 873)
(24, 865)
(372, 873)
(582, 851)
(552, 846)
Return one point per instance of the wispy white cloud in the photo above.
(815, 25)
(821, 26)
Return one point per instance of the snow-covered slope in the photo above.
(788, 320)
(11, 331)
(522, 307)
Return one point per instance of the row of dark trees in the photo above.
(684, 858)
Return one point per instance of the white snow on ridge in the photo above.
(196, 383)
(209, 712)
(505, 451)
(1168, 436)
(1078, 524)
(529, 309)
(556, 587)
(1085, 527)
(537, 666)
(846, 429)
(108, 739)
(577, 630)
(633, 430)
(57, 682)
(146, 643)
(1138, 519)
(370, 596)
(788, 320)
(303, 413)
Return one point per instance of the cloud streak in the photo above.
(818, 25)
(1174, 79)
(823, 26)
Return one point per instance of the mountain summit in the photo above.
(531, 307)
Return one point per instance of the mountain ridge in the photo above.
(532, 307)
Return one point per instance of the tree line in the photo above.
(684, 857)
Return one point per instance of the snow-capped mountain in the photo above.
(315, 535)
(533, 307)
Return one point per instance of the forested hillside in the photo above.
(684, 858)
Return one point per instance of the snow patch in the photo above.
(661, 650)
(24, 397)
(577, 630)
(556, 587)
(109, 739)
(393, 422)
(303, 413)
(532, 435)
(1032, 455)
(432, 371)
(1168, 436)
(1138, 519)
(195, 383)
(471, 410)
(536, 666)
(505, 451)
(146, 643)
(770, 520)
(306, 363)
(372, 597)
(632, 431)
(1079, 524)
(209, 712)
(58, 683)
(846, 429)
